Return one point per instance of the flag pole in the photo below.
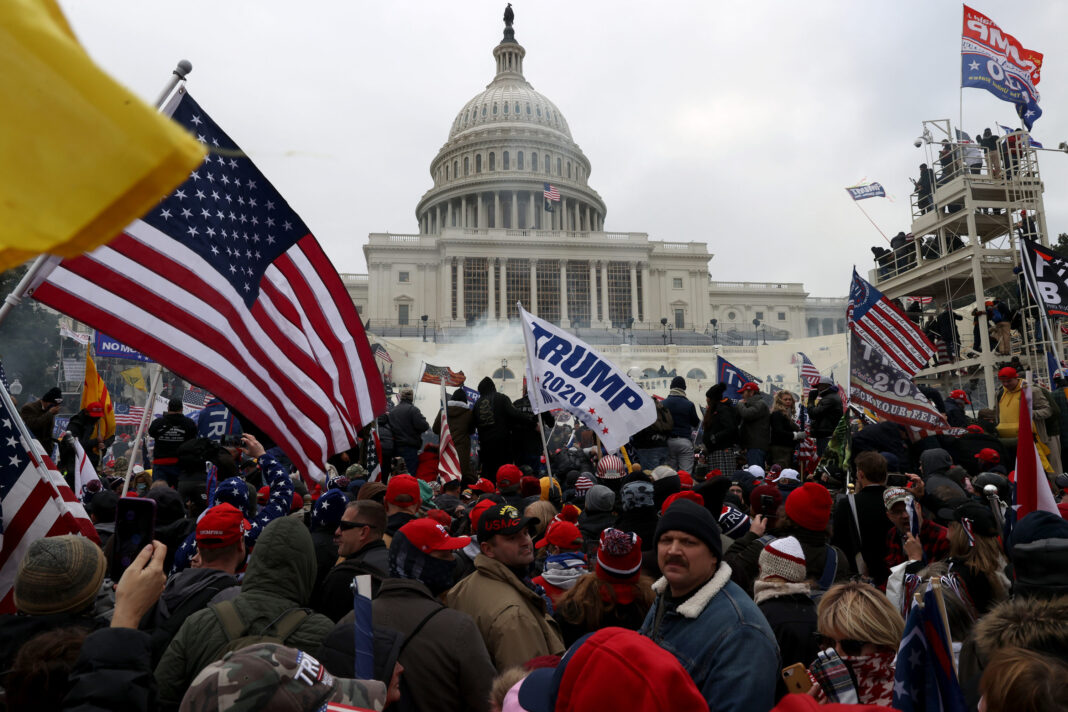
(862, 210)
(531, 381)
(38, 269)
(141, 427)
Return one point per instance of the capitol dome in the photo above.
(504, 146)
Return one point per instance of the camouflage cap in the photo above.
(268, 676)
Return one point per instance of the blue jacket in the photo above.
(683, 414)
(722, 639)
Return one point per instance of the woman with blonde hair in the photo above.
(975, 554)
(864, 629)
(785, 432)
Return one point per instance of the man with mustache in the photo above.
(703, 618)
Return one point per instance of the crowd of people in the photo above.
(691, 570)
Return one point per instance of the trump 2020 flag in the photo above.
(570, 374)
(733, 377)
(223, 284)
(996, 61)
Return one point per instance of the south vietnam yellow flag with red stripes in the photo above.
(82, 157)
(94, 390)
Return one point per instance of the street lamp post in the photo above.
(504, 372)
(715, 330)
(424, 319)
(756, 326)
(671, 334)
(663, 323)
(764, 333)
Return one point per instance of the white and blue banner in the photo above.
(107, 347)
(867, 190)
(567, 373)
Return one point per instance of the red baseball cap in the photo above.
(685, 480)
(427, 535)
(563, 534)
(401, 485)
(988, 454)
(975, 428)
(440, 516)
(960, 395)
(94, 409)
(263, 495)
(477, 510)
(484, 485)
(749, 387)
(222, 525)
(1007, 373)
(508, 476)
(297, 503)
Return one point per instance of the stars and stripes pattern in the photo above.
(810, 375)
(380, 352)
(807, 459)
(223, 284)
(441, 375)
(373, 458)
(551, 193)
(448, 456)
(128, 414)
(924, 677)
(35, 500)
(880, 322)
(84, 472)
(195, 398)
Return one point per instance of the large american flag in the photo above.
(551, 193)
(441, 374)
(223, 284)
(880, 322)
(35, 500)
(448, 457)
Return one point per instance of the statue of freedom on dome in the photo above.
(509, 16)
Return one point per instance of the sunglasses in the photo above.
(353, 525)
(852, 648)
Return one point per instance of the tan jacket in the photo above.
(511, 617)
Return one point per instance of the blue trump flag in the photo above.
(996, 61)
(733, 377)
(924, 677)
(105, 346)
(867, 190)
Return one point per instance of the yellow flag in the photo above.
(134, 377)
(95, 391)
(82, 157)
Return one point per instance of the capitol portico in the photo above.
(492, 233)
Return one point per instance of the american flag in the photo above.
(807, 459)
(924, 676)
(212, 481)
(223, 284)
(373, 459)
(441, 375)
(194, 398)
(880, 322)
(448, 457)
(551, 193)
(34, 498)
(128, 414)
(3, 376)
(810, 375)
(380, 352)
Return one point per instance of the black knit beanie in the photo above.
(685, 515)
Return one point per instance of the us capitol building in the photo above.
(489, 237)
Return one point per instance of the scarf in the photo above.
(564, 570)
(677, 392)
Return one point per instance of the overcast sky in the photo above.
(734, 124)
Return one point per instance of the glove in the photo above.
(799, 436)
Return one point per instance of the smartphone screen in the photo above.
(767, 505)
(135, 527)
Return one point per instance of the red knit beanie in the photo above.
(619, 556)
(809, 506)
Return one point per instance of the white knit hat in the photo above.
(784, 559)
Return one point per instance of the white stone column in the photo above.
(448, 213)
(497, 222)
(534, 287)
(515, 210)
(563, 213)
(460, 318)
(491, 301)
(504, 290)
(645, 292)
(443, 312)
(437, 219)
(564, 321)
(593, 293)
(634, 291)
(478, 210)
(606, 318)
(589, 223)
(576, 217)
(463, 211)
(531, 202)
